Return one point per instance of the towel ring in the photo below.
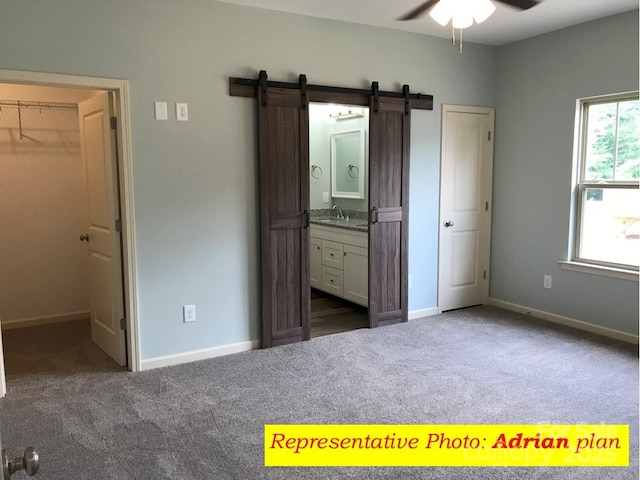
(314, 173)
(350, 169)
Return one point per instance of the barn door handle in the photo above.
(84, 237)
(448, 223)
(374, 215)
(306, 219)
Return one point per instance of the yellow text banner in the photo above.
(446, 445)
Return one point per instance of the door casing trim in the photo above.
(125, 168)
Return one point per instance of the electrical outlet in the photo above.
(189, 313)
(547, 281)
(182, 112)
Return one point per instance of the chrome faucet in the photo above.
(340, 212)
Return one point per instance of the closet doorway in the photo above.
(58, 192)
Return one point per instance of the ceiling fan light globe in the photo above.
(483, 9)
(441, 13)
(462, 20)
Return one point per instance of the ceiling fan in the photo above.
(462, 13)
(423, 7)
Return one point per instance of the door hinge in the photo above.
(114, 123)
(123, 324)
(489, 135)
(118, 225)
(484, 275)
(486, 206)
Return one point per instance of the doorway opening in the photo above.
(51, 205)
(339, 205)
(285, 217)
(45, 277)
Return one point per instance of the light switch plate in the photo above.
(325, 197)
(182, 112)
(160, 109)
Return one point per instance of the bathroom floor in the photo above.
(331, 314)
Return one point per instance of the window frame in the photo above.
(581, 185)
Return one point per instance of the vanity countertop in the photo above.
(357, 224)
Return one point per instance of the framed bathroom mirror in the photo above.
(348, 164)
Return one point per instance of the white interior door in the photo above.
(106, 303)
(466, 173)
(3, 380)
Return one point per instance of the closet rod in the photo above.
(39, 105)
(20, 105)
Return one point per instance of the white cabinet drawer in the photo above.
(332, 280)
(332, 253)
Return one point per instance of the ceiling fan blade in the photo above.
(521, 4)
(419, 10)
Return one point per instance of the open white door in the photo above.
(3, 379)
(466, 174)
(106, 304)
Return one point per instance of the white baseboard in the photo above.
(425, 312)
(196, 355)
(35, 321)
(570, 322)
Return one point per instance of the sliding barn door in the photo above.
(389, 209)
(283, 124)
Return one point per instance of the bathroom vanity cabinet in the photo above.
(339, 263)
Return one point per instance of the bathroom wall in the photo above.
(321, 127)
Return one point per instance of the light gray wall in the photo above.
(539, 81)
(195, 182)
(319, 154)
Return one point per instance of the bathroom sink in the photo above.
(342, 222)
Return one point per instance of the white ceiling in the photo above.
(506, 25)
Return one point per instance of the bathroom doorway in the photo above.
(338, 200)
(285, 217)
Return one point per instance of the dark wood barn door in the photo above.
(283, 125)
(390, 120)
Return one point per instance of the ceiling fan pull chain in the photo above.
(460, 40)
(453, 34)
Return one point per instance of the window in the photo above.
(607, 191)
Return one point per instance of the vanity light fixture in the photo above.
(346, 115)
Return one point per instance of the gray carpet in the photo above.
(205, 420)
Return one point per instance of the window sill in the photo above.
(599, 270)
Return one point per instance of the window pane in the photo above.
(611, 226)
(628, 157)
(601, 141)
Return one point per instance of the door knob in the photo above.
(29, 462)
(448, 223)
(84, 237)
